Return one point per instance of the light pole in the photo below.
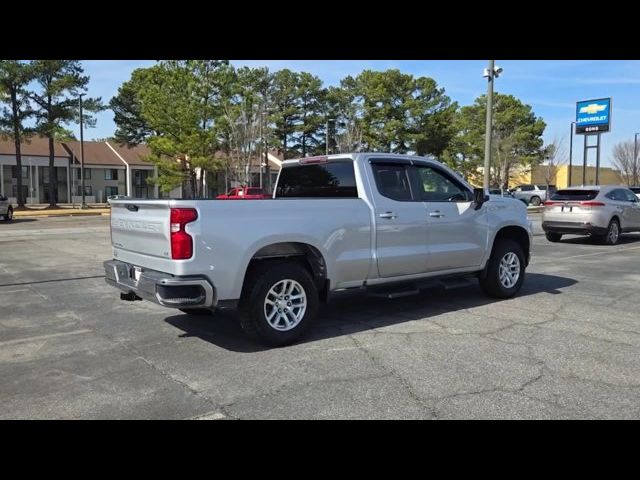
(570, 152)
(635, 152)
(83, 203)
(489, 73)
(329, 122)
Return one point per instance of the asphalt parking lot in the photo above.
(567, 347)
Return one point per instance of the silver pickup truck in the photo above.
(367, 221)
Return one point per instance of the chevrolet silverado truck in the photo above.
(378, 223)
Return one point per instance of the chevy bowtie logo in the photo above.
(592, 108)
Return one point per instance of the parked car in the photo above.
(244, 193)
(532, 194)
(6, 210)
(501, 193)
(603, 211)
(635, 190)
(370, 222)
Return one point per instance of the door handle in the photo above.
(388, 215)
(436, 214)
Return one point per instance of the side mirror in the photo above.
(479, 197)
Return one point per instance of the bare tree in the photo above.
(555, 155)
(624, 161)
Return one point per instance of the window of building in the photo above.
(110, 174)
(110, 191)
(87, 190)
(87, 173)
(25, 191)
(25, 172)
(140, 178)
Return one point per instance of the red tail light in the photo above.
(181, 241)
(592, 204)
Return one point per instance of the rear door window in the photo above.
(575, 195)
(392, 181)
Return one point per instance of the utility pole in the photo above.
(83, 203)
(490, 74)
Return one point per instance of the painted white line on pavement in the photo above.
(209, 416)
(43, 337)
(604, 252)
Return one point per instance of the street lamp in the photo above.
(83, 203)
(570, 152)
(635, 149)
(489, 73)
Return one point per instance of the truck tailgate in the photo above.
(141, 226)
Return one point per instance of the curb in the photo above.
(83, 214)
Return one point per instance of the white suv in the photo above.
(532, 194)
(6, 210)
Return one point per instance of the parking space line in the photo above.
(603, 252)
(43, 337)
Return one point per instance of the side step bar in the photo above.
(407, 290)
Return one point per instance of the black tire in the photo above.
(196, 311)
(9, 216)
(611, 238)
(535, 201)
(490, 279)
(252, 306)
(553, 237)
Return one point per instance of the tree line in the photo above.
(188, 110)
(40, 97)
(210, 115)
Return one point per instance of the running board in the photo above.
(394, 293)
(415, 288)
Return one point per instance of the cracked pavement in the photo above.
(568, 346)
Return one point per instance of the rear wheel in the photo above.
(612, 236)
(504, 274)
(535, 201)
(553, 237)
(279, 303)
(9, 215)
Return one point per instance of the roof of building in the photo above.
(95, 153)
(36, 147)
(133, 155)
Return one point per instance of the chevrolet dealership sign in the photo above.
(593, 116)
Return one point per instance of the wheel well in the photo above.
(307, 255)
(517, 234)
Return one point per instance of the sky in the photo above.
(551, 87)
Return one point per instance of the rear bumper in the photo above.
(161, 288)
(576, 228)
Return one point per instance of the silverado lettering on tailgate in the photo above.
(135, 225)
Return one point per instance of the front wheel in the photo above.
(279, 303)
(504, 273)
